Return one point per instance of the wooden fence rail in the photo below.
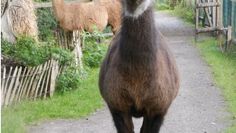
(19, 82)
(49, 4)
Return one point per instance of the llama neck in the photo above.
(138, 38)
(59, 10)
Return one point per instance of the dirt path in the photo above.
(199, 107)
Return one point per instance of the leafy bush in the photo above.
(162, 6)
(69, 79)
(184, 12)
(28, 52)
(93, 52)
(46, 24)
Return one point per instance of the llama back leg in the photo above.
(152, 124)
(123, 121)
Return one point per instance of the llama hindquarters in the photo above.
(113, 8)
(114, 15)
(84, 16)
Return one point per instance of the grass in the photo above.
(73, 104)
(224, 70)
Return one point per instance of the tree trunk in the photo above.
(18, 18)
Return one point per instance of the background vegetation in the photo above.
(74, 104)
(77, 93)
(47, 24)
(28, 52)
(184, 12)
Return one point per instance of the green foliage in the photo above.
(107, 29)
(29, 52)
(46, 24)
(162, 6)
(93, 52)
(64, 56)
(187, 13)
(223, 67)
(68, 80)
(71, 105)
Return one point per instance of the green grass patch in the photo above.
(73, 104)
(224, 70)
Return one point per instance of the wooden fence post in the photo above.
(9, 91)
(16, 84)
(55, 70)
(21, 84)
(3, 91)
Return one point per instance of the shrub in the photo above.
(46, 24)
(184, 12)
(162, 6)
(93, 52)
(68, 80)
(30, 53)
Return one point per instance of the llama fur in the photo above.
(114, 13)
(139, 76)
(80, 16)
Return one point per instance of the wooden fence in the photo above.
(19, 82)
(49, 4)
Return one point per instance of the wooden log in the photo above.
(7, 81)
(208, 29)
(21, 84)
(3, 80)
(196, 16)
(26, 80)
(210, 4)
(34, 82)
(10, 87)
(16, 85)
(54, 73)
(207, 14)
(49, 4)
(43, 79)
(214, 15)
(229, 34)
(77, 49)
(43, 67)
(3, 90)
(46, 89)
(219, 21)
(30, 82)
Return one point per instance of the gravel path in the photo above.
(199, 107)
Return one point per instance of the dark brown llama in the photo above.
(138, 77)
